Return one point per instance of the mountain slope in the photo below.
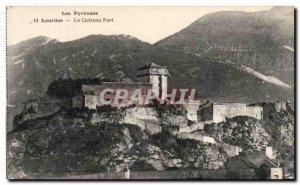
(262, 40)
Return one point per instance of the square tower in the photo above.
(156, 75)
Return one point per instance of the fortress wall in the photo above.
(197, 126)
(219, 112)
(164, 84)
(192, 128)
(92, 93)
(41, 108)
(134, 121)
(186, 129)
(142, 113)
(90, 101)
(255, 112)
(192, 111)
(145, 118)
(230, 110)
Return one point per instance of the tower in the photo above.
(156, 75)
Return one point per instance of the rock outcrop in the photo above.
(69, 142)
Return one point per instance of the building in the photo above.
(90, 96)
(150, 76)
(258, 161)
(218, 112)
(156, 75)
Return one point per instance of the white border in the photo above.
(4, 3)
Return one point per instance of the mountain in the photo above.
(261, 40)
(216, 75)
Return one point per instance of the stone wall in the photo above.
(280, 106)
(145, 113)
(255, 112)
(191, 128)
(144, 117)
(230, 110)
(192, 111)
(40, 108)
(92, 93)
(176, 174)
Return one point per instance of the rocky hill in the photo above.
(277, 129)
(71, 142)
(68, 142)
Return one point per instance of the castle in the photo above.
(85, 93)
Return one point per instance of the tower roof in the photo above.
(151, 65)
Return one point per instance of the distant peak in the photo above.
(115, 36)
(124, 36)
(40, 40)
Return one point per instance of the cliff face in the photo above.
(248, 133)
(68, 142)
(281, 128)
(276, 130)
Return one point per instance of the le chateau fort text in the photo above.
(79, 17)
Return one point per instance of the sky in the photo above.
(149, 24)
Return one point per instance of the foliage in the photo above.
(169, 109)
(68, 88)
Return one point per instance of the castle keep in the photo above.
(155, 75)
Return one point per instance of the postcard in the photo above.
(151, 93)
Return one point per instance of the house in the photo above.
(258, 162)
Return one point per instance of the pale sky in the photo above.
(149, 24)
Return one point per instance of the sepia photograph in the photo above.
(150, 93)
